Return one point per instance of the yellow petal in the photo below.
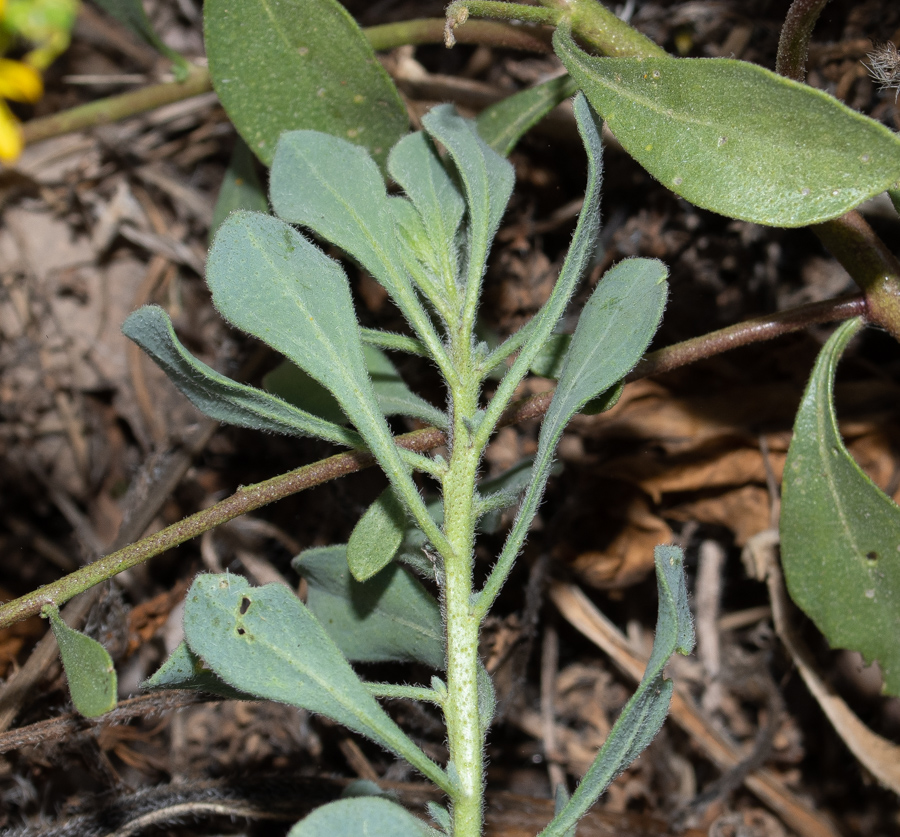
(19, 82)
(11, 142)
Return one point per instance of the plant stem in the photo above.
(253, 497)
(484, 32)
(600, 29)
(793, 45)
(849, 238)
(392, 690)
(388, 36)
(873, 267)
(114, 108)
(465, 732)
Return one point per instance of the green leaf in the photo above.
(529, 340)
(264, 641)
(487, 179)
(240, 187)
(487, 697)
(389, 617)
(441, 816)
(549, 361)
(894, 195)
(280, 66)
(371, 816)
(377, 536)
(500, 493)
(418, 170)
(183, 669)
(394, 397)
(418, 253)
(645, 712)
(220, 397)
(840, 535)
(736, 138)
(88, 666)
(613, 332)
(503, 124)
(336, 190)
(560, 798)
(269, 281)
(289, 382)
(132, 14)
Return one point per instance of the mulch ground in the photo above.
(98, 223)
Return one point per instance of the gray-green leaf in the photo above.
(736, 138)
(645, 712)
(377, 536)
(394, 397)
(840, 534)
(220, 397)
(415, 166)
(300, 64)
(390, 617)
(183, 669)
(487, 178)
(240, 187)
(268, 280)
(503, 124)
(264, 641)
(613, 332)
(369, 816)
(335, 189)
(88, 666)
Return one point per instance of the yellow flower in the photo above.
(20, 83)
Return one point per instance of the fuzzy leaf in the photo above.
(503, 124)
(389, 617)
(415, 166)
(487, 178)
(264, 641)
(183, 669)
(289, 64)
(614, 330)
(88, 666)
(394, 397)
(240, 187)
(645, 712)
(335, 189)
(371, 816)
(840, 534)
(377, 536)
(736, 138)
(268, 280)
(220, 397)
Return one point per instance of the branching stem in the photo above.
(253, 497)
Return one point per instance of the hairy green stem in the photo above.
(253, 497)
(793, 45)
(458, 13)
(602, 31)
(465, 732)
(392, 690)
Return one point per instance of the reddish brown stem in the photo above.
(793, 45)
(253, 497)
